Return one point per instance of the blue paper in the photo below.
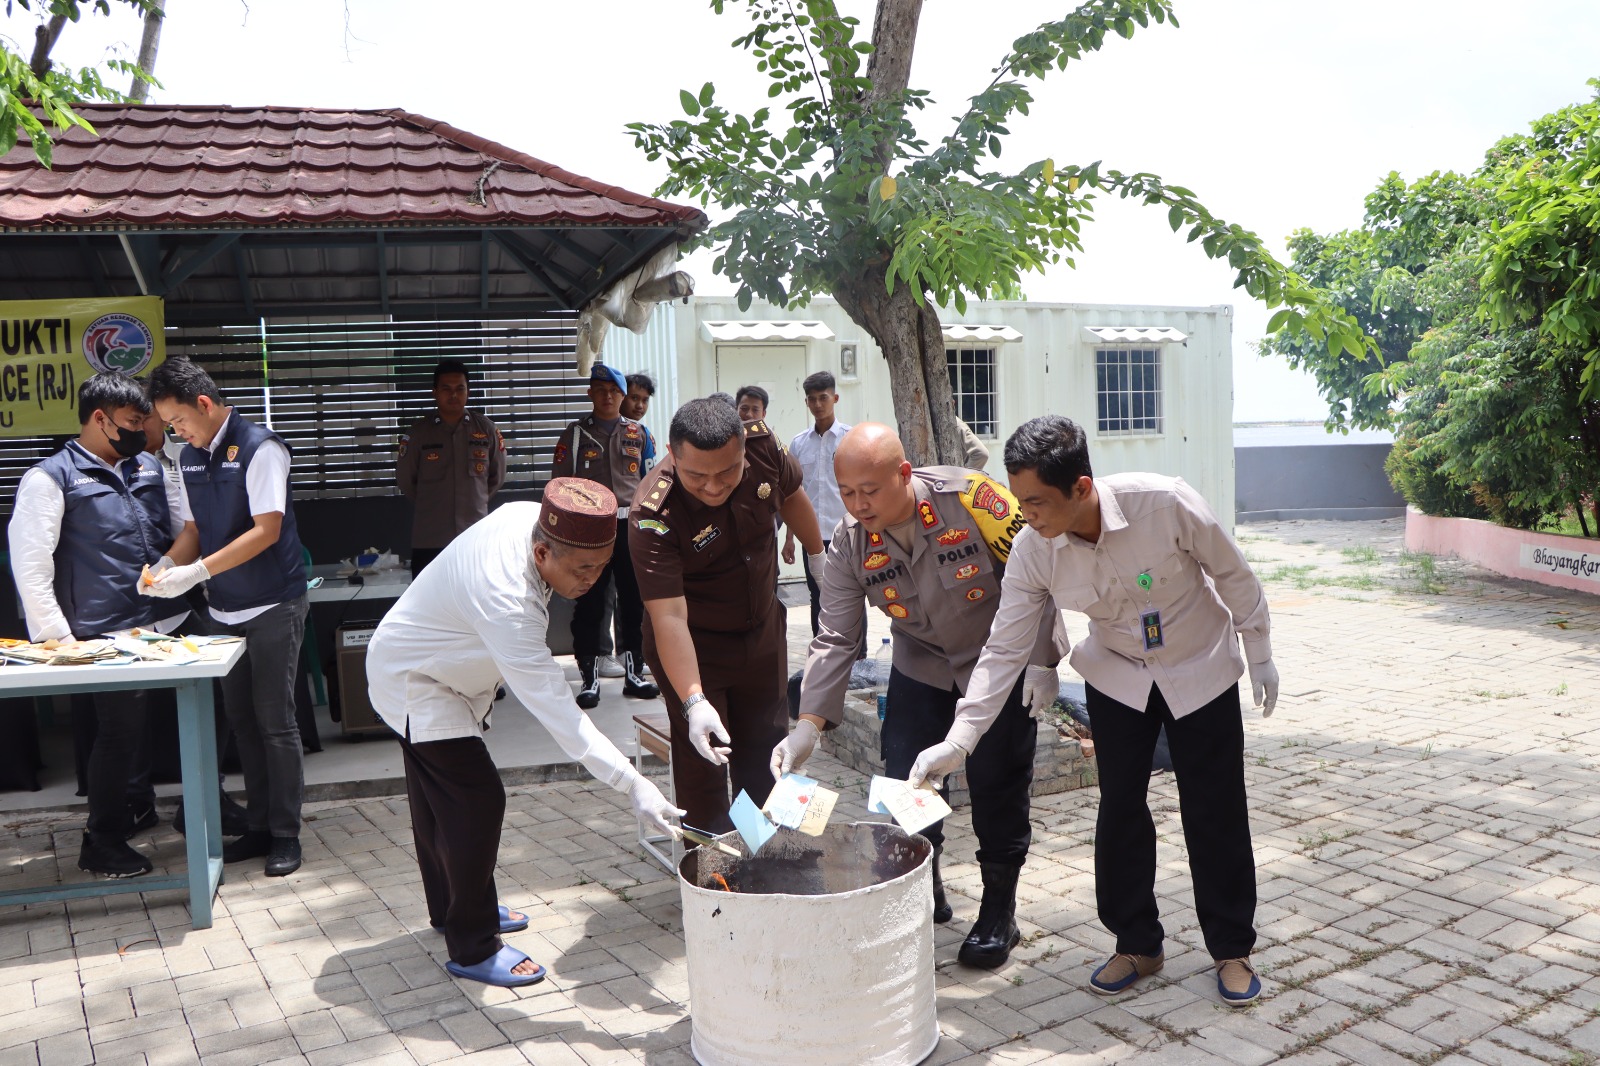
(750, 822)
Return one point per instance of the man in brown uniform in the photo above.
(607, 448)
(715, 635)
(928, 547)
(450, 463)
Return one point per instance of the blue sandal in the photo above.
(507, 923)
(496, 969)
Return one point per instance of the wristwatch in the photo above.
(698, 697)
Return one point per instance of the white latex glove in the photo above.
(1264, 686)
(703, 722)
(931, 766)
(793, 750)
(161, 566)
(177, 580)
(816, 562)
(652, 807)
(1040, 689)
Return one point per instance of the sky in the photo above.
(1278, 114)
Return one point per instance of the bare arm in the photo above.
(801, 519)
(670, 620)
(186, 549)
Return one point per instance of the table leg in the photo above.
(197, 748)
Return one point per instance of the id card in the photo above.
(1150, 623)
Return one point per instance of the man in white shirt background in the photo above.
(85, 523)
(1169, 598)
(237, 495)
(814, 450)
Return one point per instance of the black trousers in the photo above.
(999, 770)
(258, 696)
(1208, 764)
(744, 677)
(589, 612)
(457, 806)
(119, 727)
(816, 603)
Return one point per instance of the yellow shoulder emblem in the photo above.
(996, 511)
(656, 496)
(757, 428)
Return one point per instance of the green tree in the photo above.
(830, 190)
(36, 97)
(1470, 288)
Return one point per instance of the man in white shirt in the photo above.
(236, 495)
(1169, 598)
(814, 450)
(85, 523)
(479, 614)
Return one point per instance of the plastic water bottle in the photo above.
(881, 663)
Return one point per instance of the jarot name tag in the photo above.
(1150, 622)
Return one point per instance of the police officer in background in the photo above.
(85, 523)
(451, 462)
(607, 448)
(928, 548)
(716, 637)
(238, 496)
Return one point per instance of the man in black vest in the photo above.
(236, 493)
(85, 524)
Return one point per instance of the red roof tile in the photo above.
(172, 166)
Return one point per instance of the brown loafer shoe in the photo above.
(1121, 971)
(1237, 982)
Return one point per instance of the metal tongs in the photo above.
(705, 839)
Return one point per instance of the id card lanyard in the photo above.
(1149, 618)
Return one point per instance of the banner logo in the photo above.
(118, 342)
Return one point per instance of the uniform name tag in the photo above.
(1150, 622)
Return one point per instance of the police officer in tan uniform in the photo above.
(608, 448)
(450, 463)
(716, 637)
(928, 548)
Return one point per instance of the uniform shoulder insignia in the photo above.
(656, 496)
(758, 428)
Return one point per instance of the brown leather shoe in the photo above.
(1121, 971)
(1237, 982)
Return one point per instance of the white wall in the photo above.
(1050, 370)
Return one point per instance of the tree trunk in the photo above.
(44, 39)
(909, 335)
(148, 47)
(913, 346)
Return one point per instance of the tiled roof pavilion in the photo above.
(232, 213)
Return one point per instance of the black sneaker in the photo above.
(589, 691)
(111, 858)
(235, 820)
(253, 845)
(142, 820)
(284, 859)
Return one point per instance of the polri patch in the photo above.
(974, 595)
(968, 571)
(891, 593)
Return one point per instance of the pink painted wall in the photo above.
(1500, 549)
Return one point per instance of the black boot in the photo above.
(995, 932)
(589, 693)
(633, 683)
(941, 906)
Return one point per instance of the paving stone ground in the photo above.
(1427, 831)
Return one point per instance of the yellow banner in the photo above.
(51, 347)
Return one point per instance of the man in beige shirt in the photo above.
(1169, 598)
(928, 547)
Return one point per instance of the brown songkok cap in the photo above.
(579, 512)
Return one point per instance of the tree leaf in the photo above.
(691, 105)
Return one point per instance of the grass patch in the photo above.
(1423, 571)
(1362, 556)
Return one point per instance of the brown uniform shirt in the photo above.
(940, 598)
(613, 457)
(720, 559)
(449, 472)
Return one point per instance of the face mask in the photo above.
(128, 442)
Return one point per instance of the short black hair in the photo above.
(1054, 447)
(722, 397)
(450, 366)
(643, 381)
(180, 379)
(821, 381)
(707, 423)
(753, 390)
(110, 391)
